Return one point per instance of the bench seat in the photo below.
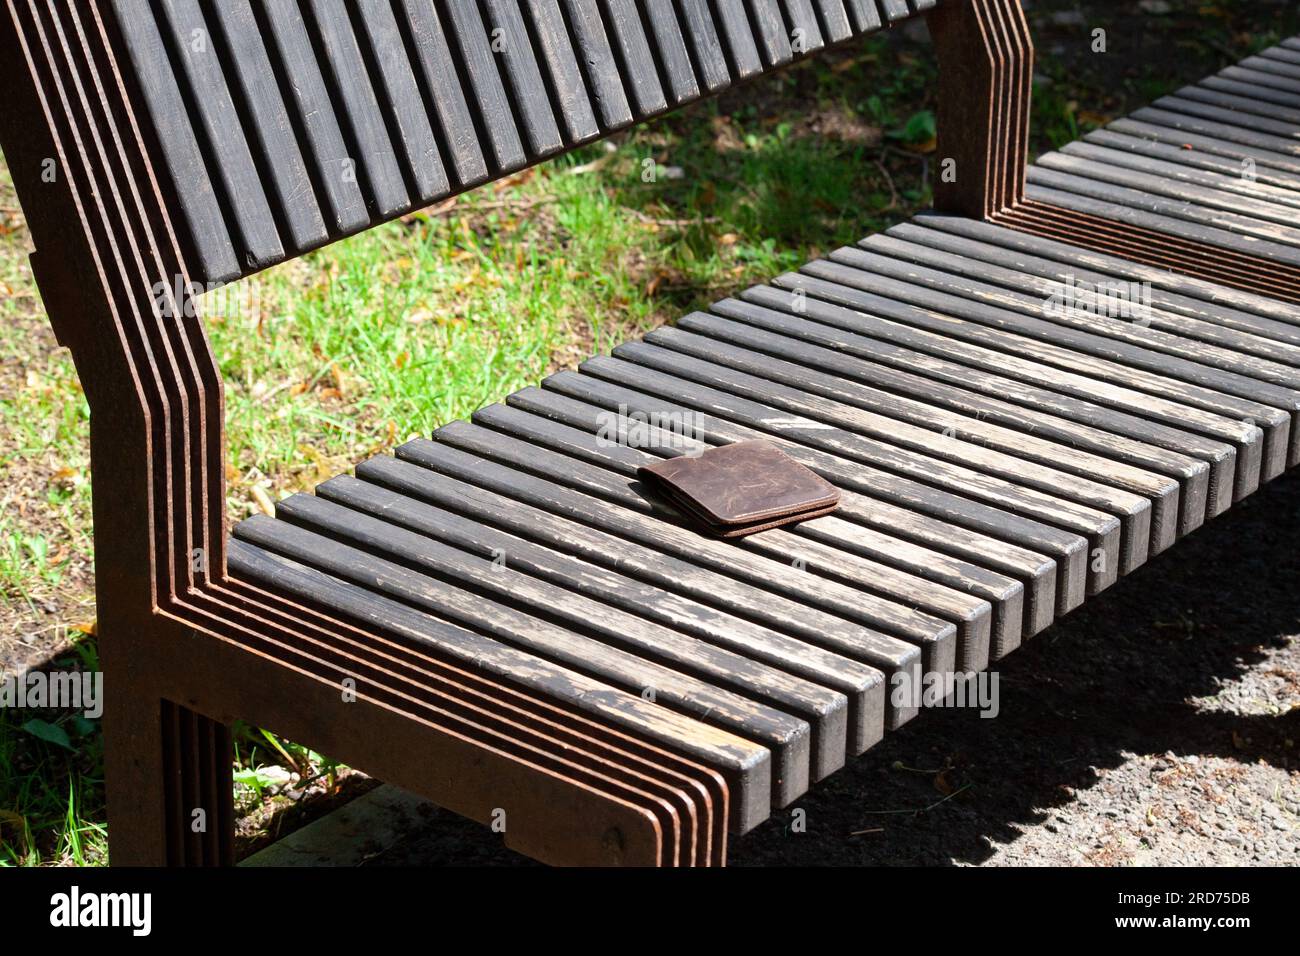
(1004, 453)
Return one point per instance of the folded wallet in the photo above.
(742, 488)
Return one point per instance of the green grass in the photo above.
(389, 334)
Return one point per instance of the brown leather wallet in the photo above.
(741, 488)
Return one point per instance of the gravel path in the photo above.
(1155, 726)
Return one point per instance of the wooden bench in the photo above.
(501, 618)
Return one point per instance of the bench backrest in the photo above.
(283, 125)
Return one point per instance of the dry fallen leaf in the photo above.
(263, 501)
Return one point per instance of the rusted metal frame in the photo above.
(985, 52)
(415, 689)
(557, 810)
(83, 312)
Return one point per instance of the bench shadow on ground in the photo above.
(1115, 678)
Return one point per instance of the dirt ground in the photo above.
(1155, 726)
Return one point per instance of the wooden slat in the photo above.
(1022, 535)
(376, 164)
(733, 23)
(561, 62)
(514, 49)
(769, 26)
(836, 19)
(802, 27)
(806, 440)
(470, 40)
(914, 425)
(894, 9)
(404, 101)
(578, 434)
(196, 49)
(272, 132)
(597, 58)
(495, 495)
(1185, 405)
(441, 79)
(1188, 165)
(182, 152)
(670, 46)
(747, 766)
(885, 619)
(1239, 342)
(1208, 292)
(325, 147)
(706, 44)
(865, 15)
(862, 685)
(786, 737)
(1181, 138)
(637, 64)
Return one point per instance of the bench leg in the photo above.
(985, 56)
(167, 773)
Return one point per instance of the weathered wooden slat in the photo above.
(1282, 55)
(1201, 223)
(1167, 311)
(836, 20)
(638, 545)
(862, 685)
(898, 445)
(962, 497)
(1025, 540)
(733, 23)
(894, 9)
(952, 411)
(772, 39)
(1248, 97)
(1265, 64)
(1034, 461)
(1160, 396)
(1247, 215)
(441, 80)
(579, 435)
(1204, 125)
(670, 45)
(514, 50)
(1256, 78)
(370, 559)
(405, 103)
(936, 638)
(376, 165)
(272, 132)
(702, 34)
(865, 15)
(1179, 139)
(746, 766)
(1189, 165)
(326, 150)
(1137, 322)
(1209, 292)
(596, 57)
(180, 151)
(802, 27)
(969, 366)
(470, 40)
(637, 63)
(561, 62)
(195, 47)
